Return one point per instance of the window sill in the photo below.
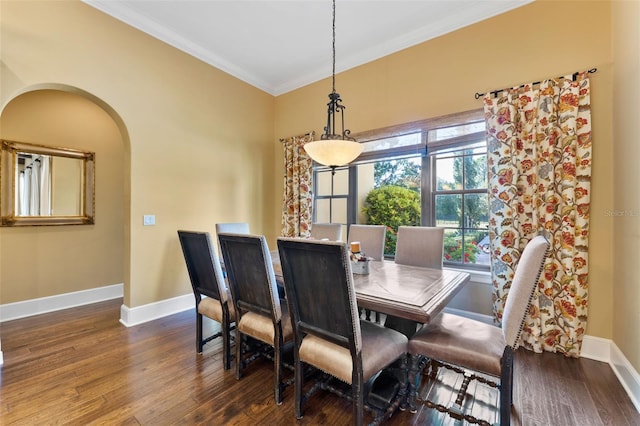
(480, 277)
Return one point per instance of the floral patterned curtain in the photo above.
(539, 158)
(297, 199)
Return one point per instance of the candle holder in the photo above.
(359, 261)
(360, 268)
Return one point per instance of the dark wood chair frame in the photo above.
(253, 289)
(306, 267)
(201, 262)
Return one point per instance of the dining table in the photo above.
(406, 292)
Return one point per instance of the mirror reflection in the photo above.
(48, 185)
(45, 186)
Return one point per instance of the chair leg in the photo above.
(226, 344)
(299, 384)
(511, 385)
(506, 387)
(199, 343)
(277, 365)
(403, 392)
(240, 339)
(414, 378)
(358, 402)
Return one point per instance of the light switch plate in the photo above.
(149, 219)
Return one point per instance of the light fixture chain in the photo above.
(334, 47)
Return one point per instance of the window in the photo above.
(429, 173)
(458, 197)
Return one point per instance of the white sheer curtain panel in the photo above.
(34, 190)
(45, 185)
(25, 199)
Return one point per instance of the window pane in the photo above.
(340, 182)
(470, 249)
(323, 183)
(459, 249)
(476, 210)
(393, 142)
(405, 173)
(322, 210)
(392, 187)
(449, 210)
(339, 212)
(460, 130)
(475, 171)
(452, 246)
(446, 178)
(480, 238)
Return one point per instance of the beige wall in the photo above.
(626, 188)
(441, 76)
(45, 261)
(197, 144)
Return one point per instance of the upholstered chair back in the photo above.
(232, 228)
(523, 285)
(371, 239)
(329, 231)
(203, 265)
(420, 246)
(246, 258)
(322, 303)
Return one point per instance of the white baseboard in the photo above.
(42, 305)
(487, 319)
(596, 348)
(627, 375)
(140, 314)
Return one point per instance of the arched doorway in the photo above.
(62, 266)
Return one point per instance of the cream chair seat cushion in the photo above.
(212, 308)
(261, 326)
(461, 341)
(380, 347)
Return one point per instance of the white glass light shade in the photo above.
(333, 152)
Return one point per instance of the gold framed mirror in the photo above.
(42, 185)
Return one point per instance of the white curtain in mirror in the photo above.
(35, 188)
(45, 185)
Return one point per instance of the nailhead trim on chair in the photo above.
(519, 334)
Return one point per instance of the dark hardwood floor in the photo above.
(81, 366)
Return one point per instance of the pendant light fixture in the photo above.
(334, 149)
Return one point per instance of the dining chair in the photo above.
(259, 313)
(329, 231)
(416, 246)
(328, 334)
(420, 246)
(371, 238)
(209, 288)
(464, 344)
(233, 228)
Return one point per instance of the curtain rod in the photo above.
(311, 133)
(495, 92)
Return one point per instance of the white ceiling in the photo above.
(281, 45)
